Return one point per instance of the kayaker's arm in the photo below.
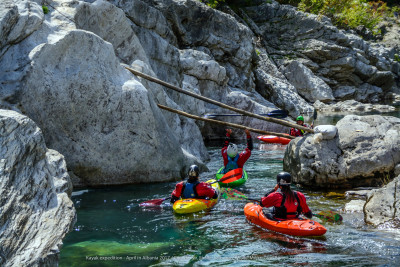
(303, 203)
(271, 199)
(267, 194)
(249, 140)
(176, 194)
(205, 190)
(227, 138)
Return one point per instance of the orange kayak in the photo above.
(296, 227)
(273, 139)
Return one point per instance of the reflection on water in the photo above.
(112, 230)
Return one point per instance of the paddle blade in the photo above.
(153, 202)
(279, 114)
(315, 114)
(232, 176)
(232, 194)
(329, 216)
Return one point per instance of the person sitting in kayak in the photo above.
(287, 204)
(297, 132)
(192, 188)
(233, 160)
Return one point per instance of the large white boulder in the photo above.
(35, 209)
(365, 150)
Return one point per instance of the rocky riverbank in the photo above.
(36, 211)
(62, 73)
(65, 70)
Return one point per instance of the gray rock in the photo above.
(355, 206)
(364, 150)
(351, 105)
(344, 92)
(35, 209)
(382, 205)
(344, 60)
(311, 87)
(94, 112)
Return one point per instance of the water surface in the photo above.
(112, 230)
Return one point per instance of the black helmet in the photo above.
(284, 178)
(193, 171)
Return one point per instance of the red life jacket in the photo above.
(293, 209)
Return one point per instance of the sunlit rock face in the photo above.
(365, 150)
(35, 209)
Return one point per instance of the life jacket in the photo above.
(288, 208)
(189, 190)
(232, 164)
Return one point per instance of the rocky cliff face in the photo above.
(322, 62)
(364, 152)
(65, 70)
(35, 210)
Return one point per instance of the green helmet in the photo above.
(300, 118)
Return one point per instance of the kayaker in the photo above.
(192, 188)
(233, 159)
(287, 204)
(297, 132)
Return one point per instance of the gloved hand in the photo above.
(173, 199)
(308, 214)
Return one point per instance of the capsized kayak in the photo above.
(297, 227)
(273, 139)
(236, 183)
(190, 205)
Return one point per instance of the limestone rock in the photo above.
(365, 151)
(35, 209)
(382, 205)
(311, 87)
(351, 105)
(93, 111)
(339, 59)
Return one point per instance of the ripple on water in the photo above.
(220, 237)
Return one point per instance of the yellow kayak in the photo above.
(190, 205)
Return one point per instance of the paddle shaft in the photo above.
(274, 114)
(175, 88)
(224, 123)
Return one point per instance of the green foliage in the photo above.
(397, 57)
(350, 13)
(45, 9)
(213, 3)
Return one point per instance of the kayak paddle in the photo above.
(153, 202)
(229, 177)
(329, 216)
(279, 114)
(232, 194)
(314, 116)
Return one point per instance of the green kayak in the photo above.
(232, 173)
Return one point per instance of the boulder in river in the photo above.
(364, 152)
(35, 209)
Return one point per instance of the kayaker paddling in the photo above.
(287, 204)
(192, 188)
(298, 132)
(229, 152)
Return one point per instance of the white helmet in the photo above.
(232, 150)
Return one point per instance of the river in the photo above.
(112, 230)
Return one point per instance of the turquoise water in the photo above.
(112, 230)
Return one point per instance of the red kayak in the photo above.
(273, 139)
(296, 227)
